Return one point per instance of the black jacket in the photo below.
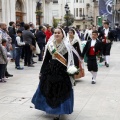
(12, 33)
(98, 47)
(110, 34)
(40, 37)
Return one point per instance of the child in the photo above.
(91, 49)
(3, 60)
(18, 48)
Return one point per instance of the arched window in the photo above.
(19, 11)
(19, 5)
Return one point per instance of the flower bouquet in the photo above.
(72, 70)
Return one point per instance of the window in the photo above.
(80, 12)
(68, 1)
(80, 1)
(76, 1)
(55, 1)
(76, 12)
(55, 13)
(83, 11)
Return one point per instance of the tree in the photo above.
(55, 22)
(68, 18)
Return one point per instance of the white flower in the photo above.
(72, 69)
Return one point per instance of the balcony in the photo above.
(48, 1)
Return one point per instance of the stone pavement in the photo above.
(92, 102)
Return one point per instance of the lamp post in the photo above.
(67, 12)
(39, 11)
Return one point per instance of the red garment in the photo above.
(48, 35)
(92, 50)
(104, 39)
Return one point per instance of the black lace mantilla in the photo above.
(55, 84)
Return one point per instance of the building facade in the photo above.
(81, 9)
(23, 10)
(117, 12)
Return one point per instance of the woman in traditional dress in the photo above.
(54, 94)
(74, 40)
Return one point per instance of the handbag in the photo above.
(37, 49)
(32, 47)
(81, 72)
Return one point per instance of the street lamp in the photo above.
(67, 12)
(39, 10)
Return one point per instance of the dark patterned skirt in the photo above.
(54, 94)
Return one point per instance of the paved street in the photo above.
(92, 102)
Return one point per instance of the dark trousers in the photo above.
(28, 55)
(106, 49)
(41, 47)
(2, 70)
(23, 53)
(18, 55)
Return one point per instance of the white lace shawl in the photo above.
(67, 45)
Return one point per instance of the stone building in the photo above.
(117, 13)
(23, 10)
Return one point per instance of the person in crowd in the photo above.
(78, 32)
(17, 26)
(100, 29)
(27, 38)
(3, 60)
(115, 34)
(107, 37)
(91, 49)
(118, 32)
(32, 29)
(74, 40)
(12, 33)
(55, 93)
(23, 49)
(66, 29)
(40, 38)
(48, 33)
(52, 30)
(88, 33)
(22, 26)
(18, 48)
(4, 35)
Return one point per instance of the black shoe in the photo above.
(25, 64)
(31, 65)
(19, 68)
(57, 118)
(40, 60)
(8, 75)
(93, 82)
(34, 62)
(107, 65)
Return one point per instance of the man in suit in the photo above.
(12, 33)
(92, 48)
(107, 36)
(40, 38)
